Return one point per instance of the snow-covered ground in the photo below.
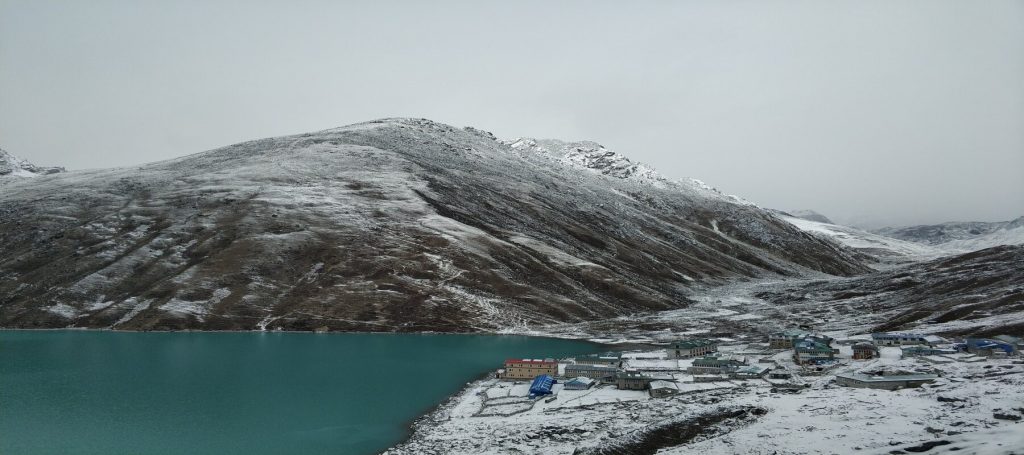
(956, 412)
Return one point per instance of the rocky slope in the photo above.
(12, 166)
(979, 293)
(397, 224)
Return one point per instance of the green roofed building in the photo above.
(691, 348)
(814, 350)
(715, 365)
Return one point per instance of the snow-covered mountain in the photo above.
(13, 166)
(595, 157)
(960, 237)
(883, 251)
(395, 224)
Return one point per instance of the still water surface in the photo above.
(79, 392)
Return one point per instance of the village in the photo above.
(784, 362)
(936, 389)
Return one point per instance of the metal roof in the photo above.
(663, 385)
(578, 367)
(537, 361)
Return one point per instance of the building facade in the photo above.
(660, 389)
(922, 351)
(516, 369)
(865, 351)
(785, 339)
(903, 339)
(599, 372)
(632, 380)
(605, 360)
(813, 350)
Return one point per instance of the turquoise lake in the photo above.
(96, 392)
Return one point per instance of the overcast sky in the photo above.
(873, 112)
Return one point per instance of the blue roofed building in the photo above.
(541, 385)
(989, 348)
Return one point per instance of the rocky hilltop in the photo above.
(390, 225)
(13, 166)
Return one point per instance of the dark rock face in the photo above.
(979, 293)
(393, 225)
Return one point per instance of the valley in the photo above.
(409, 225)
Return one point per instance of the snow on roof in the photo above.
(663, 385)
(791, 333)
(578, 367)
(865, 345)
(540, 361)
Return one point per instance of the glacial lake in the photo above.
(100, 392)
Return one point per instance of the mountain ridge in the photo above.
(960, 236)
(388, 225)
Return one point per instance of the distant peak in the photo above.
(11, 165)
(810, 215)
